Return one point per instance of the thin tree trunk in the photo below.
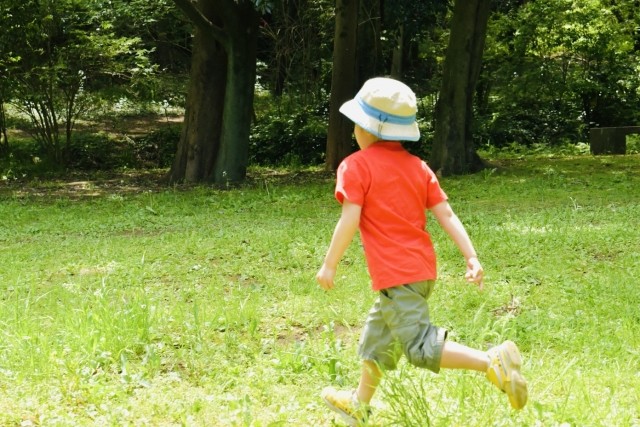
(369, 60)
(4, 139)
(397, 60)
(342, 82)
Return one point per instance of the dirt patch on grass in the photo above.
(85, 185)
(91, 184)
(130, 125)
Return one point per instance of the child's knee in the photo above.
(425, 351)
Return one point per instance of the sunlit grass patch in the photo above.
(198, 306)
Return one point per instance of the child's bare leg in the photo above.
(458, 356)
(369, 380)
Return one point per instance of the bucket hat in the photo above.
(386, 108)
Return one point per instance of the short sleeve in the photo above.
(435, 194)
(352, 181)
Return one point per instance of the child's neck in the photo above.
(365, 143)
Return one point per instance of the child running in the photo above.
(385, 192)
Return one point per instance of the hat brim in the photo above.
(386, 131)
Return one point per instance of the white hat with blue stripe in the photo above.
(386, 108)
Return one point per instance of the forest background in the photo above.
(73, 72)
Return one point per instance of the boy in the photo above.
(384, 192)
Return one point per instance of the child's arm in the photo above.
(342, 236)
(454, 228)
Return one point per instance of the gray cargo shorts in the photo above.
(398, 324)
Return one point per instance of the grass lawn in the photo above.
(136, 305)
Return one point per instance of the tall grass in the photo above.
(196, 306)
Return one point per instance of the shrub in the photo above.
(158, 148)
(102, 152)
(99, 151)
(633, 144)
(300, 138)
(422, 147)
(22, 160)
(294, 138)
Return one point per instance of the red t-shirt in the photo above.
(394, 189)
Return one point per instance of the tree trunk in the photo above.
(200, 139)
(397, 58)
(453, 148)
(285, 48)
(241, 22)
(369, 58)
(342, 82)
(214, 145)
(4, 140)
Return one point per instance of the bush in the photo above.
(98, 151)
(101, 152)
(22, 160)
(528, 127)
(295, 138)
(158, 148)
(422, 147)
(633, 144)
(300, 138)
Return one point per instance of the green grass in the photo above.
(122, 305)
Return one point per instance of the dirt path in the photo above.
(86, 185)
(131, 126)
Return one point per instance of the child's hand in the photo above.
(475, 273)
(325, 277)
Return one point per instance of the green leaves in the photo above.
(558, 67)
